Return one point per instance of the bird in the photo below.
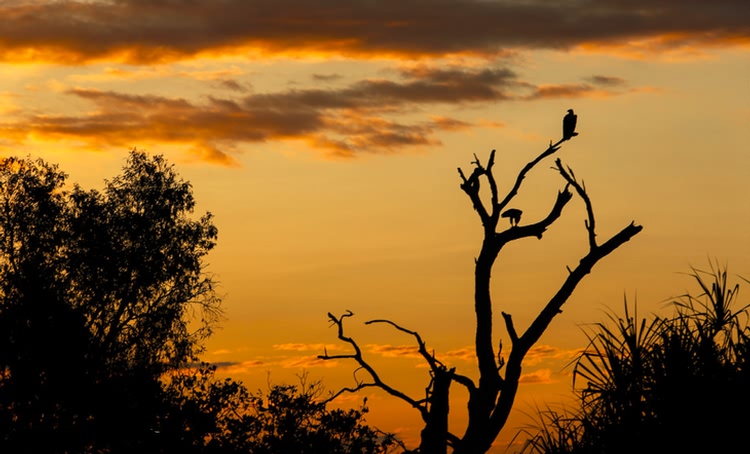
(514, 214)
(569, 125)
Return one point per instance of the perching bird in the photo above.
(514, 214)
(569, 125)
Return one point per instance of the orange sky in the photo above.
(325, 137)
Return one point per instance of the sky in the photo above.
(325, 138)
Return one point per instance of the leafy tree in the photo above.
(293, 418)
(285, 419)
(675, 384)
(97, 296)
(104, 304)
(492, 397)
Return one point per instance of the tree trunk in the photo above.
(434, 436)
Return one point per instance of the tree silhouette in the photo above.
(97, 294)
(291, 418)
(674, 384)
(104, 304)
(491, 399)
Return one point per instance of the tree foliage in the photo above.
(668, 384)
(104, 306)
(96, 294)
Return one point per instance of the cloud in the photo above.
(326, 77)
(306, 362)
(299, 347)
(365, 116)
(239, 367)
(555, 91)
(465, 354)
(149, 31)
(232, 84)
(606, 81)
(539, 353)
(538, 377)
(395, 351)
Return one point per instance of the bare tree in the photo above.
(491, 398)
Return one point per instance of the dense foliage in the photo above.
(676, 384)
(95, 289)
(104, 306)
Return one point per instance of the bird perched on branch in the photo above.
(569, 125)
(514, 214)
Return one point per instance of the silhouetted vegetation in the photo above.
(294, 419)
(675, 384)
(491, 398)
(104, 307)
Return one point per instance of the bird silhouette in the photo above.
(569, 125)
(514, 214)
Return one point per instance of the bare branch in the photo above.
(431, 360)
(544, 318)
(521, 175)
(434, 363)
(493, 188)
(581, 190)
(537, 229)
(471, 187)
(376, 380)
(510, 328)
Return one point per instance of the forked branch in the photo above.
(357, 356)
(580, 188)
(471, 186)
(522, 174)
(434, 363)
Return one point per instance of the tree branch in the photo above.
(522, 174)
(542, 321)
(510, 328)
(537, 229)
(581, 190)
(471, 187)
(434, 363)
(357, 356)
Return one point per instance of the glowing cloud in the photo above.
(145, 32)
(395, 351)
(538, 377)
(363, 117)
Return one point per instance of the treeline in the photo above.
(104, 306)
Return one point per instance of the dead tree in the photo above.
(492, 397)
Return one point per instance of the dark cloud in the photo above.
(146, 31)
(223, 364)
(606, 81)
(326, 77)
(363, 117)
(233, 85)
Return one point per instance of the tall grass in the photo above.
(675, 384)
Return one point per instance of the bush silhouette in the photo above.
(677, 384)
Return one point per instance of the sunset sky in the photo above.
(325, 135)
